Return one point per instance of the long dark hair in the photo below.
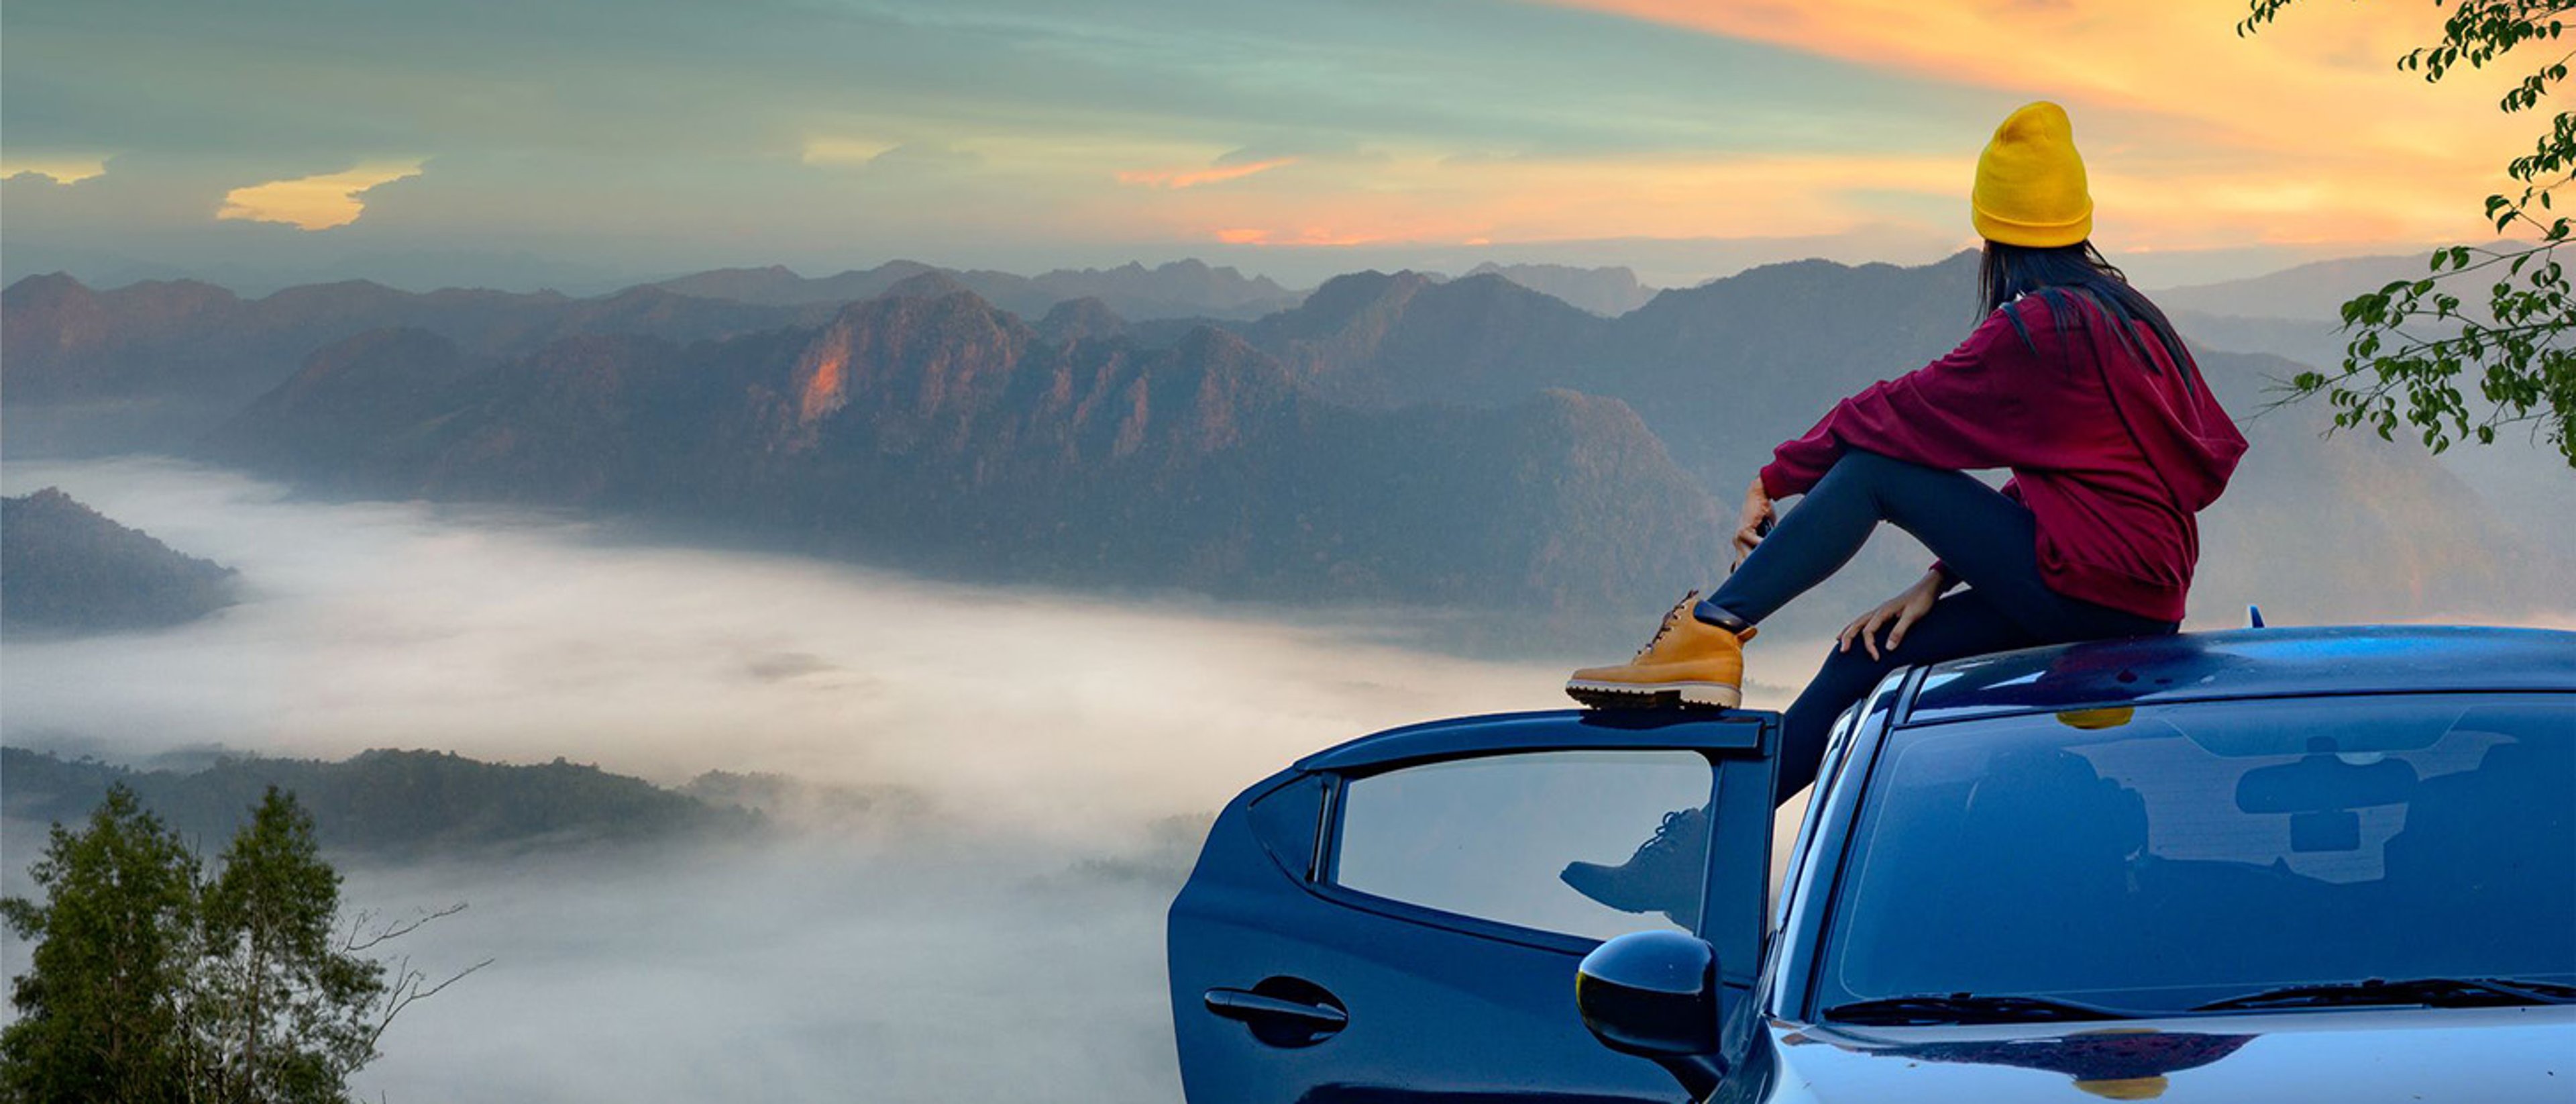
(2057, 274)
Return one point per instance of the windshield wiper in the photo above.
(2440, 992)
(1968, 1008)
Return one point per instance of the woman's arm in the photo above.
(1969, 409)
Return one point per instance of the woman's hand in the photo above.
(1749, 524)
(1896, 614)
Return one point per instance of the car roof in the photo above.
(1539, 730)
(2246, 663)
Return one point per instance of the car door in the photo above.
(1399, 918)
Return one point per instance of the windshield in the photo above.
(2162, 858)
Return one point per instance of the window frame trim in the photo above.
(1796, 952)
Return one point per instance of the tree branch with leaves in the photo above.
(2412, 347)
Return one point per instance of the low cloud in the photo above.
(516, 636)
(1003, 942)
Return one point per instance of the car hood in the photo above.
(2349, 1056)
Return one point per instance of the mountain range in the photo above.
(929, 427)
(1392, 437)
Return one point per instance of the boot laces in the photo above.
(1670, 619)
(1666, 834)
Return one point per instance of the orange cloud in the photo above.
(314, 202)
(2307, 121)
(60, 170)
(1191, 178)
(1436, 200)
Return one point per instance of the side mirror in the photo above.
(1654, 994)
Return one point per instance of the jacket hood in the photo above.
(2188, 439)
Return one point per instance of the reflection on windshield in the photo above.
(2188, 853)
(2113, 1063)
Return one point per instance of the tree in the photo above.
(154, 983)
(99, 1005)
(2410, 341)
(277, 1010)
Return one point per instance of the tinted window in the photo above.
(2165, 857)
(1591, 844)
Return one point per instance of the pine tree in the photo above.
(99, 1007)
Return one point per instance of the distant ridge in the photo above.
(2313, 292)
(1179, 289)
(1609, 292)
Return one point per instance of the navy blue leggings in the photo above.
(1984, 539)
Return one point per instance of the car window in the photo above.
(2161, 857)
(1593, 844)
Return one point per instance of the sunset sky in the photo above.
(1297, 137)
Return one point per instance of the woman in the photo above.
(2074, 381)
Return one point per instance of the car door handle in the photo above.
(1258, 1010)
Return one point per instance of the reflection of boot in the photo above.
(1689, 662)
(1665, 875)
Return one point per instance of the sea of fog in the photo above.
(1010, 949)
(1005, 942)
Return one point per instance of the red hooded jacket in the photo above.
(2112, 454)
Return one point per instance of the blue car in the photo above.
(2332, 864)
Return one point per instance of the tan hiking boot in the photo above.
(1689, 662)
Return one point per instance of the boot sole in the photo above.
(1667, 695)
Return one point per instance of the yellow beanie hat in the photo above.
(2030, 182)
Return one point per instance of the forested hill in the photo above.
(391, 804)
(66, 568)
